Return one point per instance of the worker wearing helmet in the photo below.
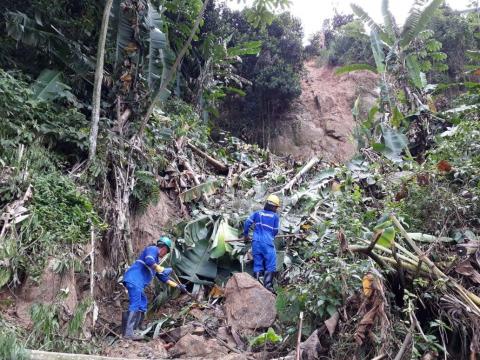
(266, 224)
(138, 276)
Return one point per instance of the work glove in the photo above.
(167, 271)
(182, 288)
(158, 268)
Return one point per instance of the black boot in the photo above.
(257, 275)
(140, 317)
(132, 317)
(268, 280)
(124, 322)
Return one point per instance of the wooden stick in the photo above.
(44, 355)
(315, 160)
(405, 344)
(214, 162)
(276, 237)
(299, 338)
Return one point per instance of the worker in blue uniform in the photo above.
(138, 276)
(266, 224)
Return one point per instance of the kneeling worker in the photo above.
(138, 276)
(266, 223)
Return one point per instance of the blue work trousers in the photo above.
(264, 257)
(136, 298)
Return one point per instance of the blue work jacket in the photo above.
(141, 273)
(266, 226)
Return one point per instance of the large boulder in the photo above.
(248, 305)
(191, 346)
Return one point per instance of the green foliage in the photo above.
(269, 337)
(25, 119)
(11, 347)
(146, 190)
(354, 67)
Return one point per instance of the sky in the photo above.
(313, 12)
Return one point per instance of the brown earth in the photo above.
(320, 122)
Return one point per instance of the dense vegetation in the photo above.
(174, 71)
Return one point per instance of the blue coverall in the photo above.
(263, 246)
(140, 274)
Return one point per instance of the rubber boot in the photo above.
(124, 322)
(257, 275)
(140, 317)
(268, 281)
(130, 326)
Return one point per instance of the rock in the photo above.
(248, 305)
(197, 346)
(175, 334)
(311, 348)
(224, 334)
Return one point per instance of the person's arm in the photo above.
(151, 256)
(164, 277)
(276, 224)
(248, 224)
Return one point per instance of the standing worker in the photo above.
(266, 223)
(137, 277)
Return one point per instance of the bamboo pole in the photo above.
(299, 338)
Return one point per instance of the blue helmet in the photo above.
(165, 241)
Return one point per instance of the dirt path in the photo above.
(320, 121)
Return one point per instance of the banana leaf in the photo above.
(197, 230)
(196, 192)
(195, 264)
(222, 232)
(49, 86)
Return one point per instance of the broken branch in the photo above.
(212, 161)
(315, 160)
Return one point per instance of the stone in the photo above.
(197, 346)
(176, 334)
(248, 305)
(311, 348)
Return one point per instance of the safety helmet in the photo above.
(165, 241)
(273, 200)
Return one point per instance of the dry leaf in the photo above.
(367, 284)
(331, 323)
(216, 292)
(465, 268)
(444, 166)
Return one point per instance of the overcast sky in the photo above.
(313, 12)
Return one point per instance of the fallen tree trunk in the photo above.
(313, 161)
(45, 355)
(221, 167)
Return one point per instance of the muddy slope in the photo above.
(320, 122)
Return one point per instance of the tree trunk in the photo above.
(97, 86)
(173, 69)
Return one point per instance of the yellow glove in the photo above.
(158, 268)
(172, 283)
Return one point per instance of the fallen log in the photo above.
(313, 161)
(221, 167)
(45, 355)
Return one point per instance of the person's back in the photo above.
(266, 224)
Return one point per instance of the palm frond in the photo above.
(389, 21)
(417, 20)
(367, 19)
(49, 86)
(414, 72)
(378, 53)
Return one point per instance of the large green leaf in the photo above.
(416, 75)
(269, 337)
(387, 238)
(5, 274)
(378, 53)
(389, 21)
(49, 86)
(157, 64)
(196, 192)
(121, 30)
(395, 142)
(197, 230)
(222, 233)
(195, 264)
